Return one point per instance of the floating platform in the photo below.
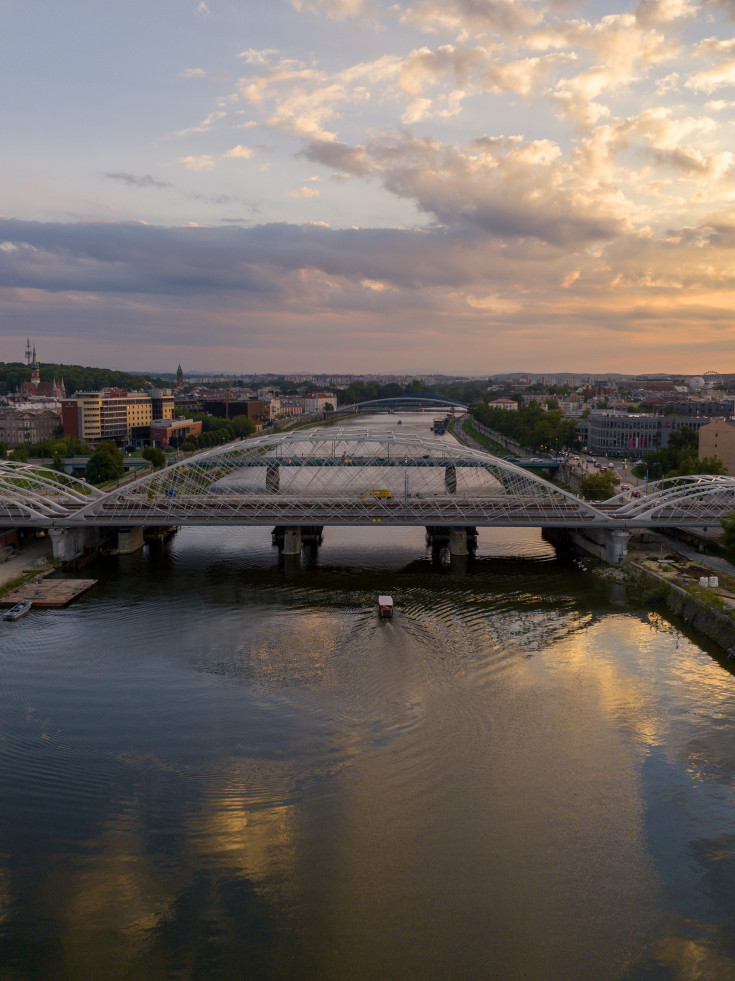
(48, 593)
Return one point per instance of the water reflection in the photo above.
(217, 766)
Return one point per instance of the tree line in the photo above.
(530, 426)
(76, 378)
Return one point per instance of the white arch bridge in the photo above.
(321, 477)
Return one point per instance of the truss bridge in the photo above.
(324, 477)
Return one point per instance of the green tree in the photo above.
(728, 534)
(242, 426)
(599, 486)
(19, 453)
(157, 457)
(105, 464)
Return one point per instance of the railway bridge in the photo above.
(301, 482)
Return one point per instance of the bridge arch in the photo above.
(40, 494)
(414, 400)
(336, 476)
(694, 498)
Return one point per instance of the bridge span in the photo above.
(322, 477)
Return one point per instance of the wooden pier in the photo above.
(48, 593)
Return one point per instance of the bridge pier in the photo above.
(71, 544)
(608, 544)
(458, 542)
(292, 543)
(130, 540)
(450, 478)
(461, 540)
(290, 539)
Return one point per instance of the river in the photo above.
(215, 765)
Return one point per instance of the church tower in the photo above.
(35, 369)
(179, 377)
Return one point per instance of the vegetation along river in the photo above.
(214, 765)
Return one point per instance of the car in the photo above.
(636, 494)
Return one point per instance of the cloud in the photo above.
(465, 18)
(304, 192)
(193, 73)
(202, 9)
(337, 9)
(243, 152)
(203, 162)
(294, 291)
(721, 74)
(138, 180)
(254, 56)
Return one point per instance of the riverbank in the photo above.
(664, 572)
(33, 559)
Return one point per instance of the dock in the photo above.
(48, 593)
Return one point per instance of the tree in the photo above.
(157, 457)
(19, 453)
(105, 464)
(328, 407)
(728, 534)
(242, 426)
(599, 486)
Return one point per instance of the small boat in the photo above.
(385, 607)
(18, 611)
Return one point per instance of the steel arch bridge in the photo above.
(332, 476)
(414, 400)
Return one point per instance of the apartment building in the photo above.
(717, 438)
(124, 417)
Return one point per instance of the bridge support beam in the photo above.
(70, 544)
(288, 539)
(461, 540)
(608, 544)
(458, 541)
(130, 540)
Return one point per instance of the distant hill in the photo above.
(76, 378)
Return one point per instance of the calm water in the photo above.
(217, 766)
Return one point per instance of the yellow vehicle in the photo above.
(378, 493)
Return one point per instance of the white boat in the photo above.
(385, 606)
(18, 611)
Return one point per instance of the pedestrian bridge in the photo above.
(337, 476)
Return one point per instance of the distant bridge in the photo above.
(414, 400)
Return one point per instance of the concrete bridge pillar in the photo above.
(450, 478)
(292, 541)
(68, 544)
(616, 546)
(130, 540)
(458, 542)
(608, 544)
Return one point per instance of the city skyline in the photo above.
(352, 186)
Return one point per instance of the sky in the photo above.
(353, 186)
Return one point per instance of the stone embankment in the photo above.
(665, 574)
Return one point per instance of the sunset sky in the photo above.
(465, 186)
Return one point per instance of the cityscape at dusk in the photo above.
(367, 490)
(356, 185)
